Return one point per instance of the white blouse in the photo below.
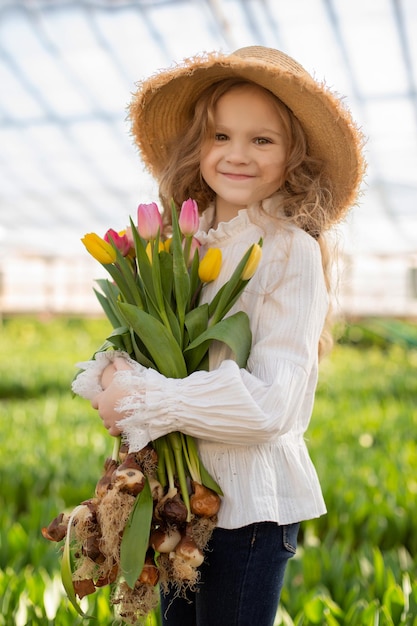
(249, 423)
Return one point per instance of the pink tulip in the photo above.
(149, 221)
(189, 218)
(129, 235)
(195, 245)
(120, 241)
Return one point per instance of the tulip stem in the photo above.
(116, 448)
(176, 445)
(161, 470)
(191, 458)
(165, 464)
(187, 249)
(195, 296)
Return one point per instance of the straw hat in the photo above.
(163, 107)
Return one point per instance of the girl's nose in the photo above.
(236, 153)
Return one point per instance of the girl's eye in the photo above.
(262, 141)
(220, 137)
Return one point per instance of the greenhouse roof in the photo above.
(67, 69)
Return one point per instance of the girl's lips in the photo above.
(234, 176)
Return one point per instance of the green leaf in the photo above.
(394, 602)
(232, 289)
(173, 323)
(234, 331)
(167, 279)
(194, 459)
(208, 481)
(371, 613)
(161, 471)
(108, 308)
(138, 351)
(123, 274)
(167, 272)
(109, 301)
(120, 339)
(379, 573)
(214, 302)
(121, 279)
(232, 298)
(158, 340)
(135, 538)
(313, 610)
(108, 288)
(157, 282)
(355, 612)
(195, 282)
(196, 321)
(175, 442)
(204, 364)
(145, 268)
(66, 569)
(181, 276)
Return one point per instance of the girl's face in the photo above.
(245, 161)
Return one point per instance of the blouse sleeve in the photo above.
(244, 406)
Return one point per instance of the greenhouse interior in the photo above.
(69, 168)
(69, 165)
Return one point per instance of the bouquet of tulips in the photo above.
(153, 511)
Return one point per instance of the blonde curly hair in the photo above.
(306, 194)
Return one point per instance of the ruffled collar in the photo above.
(255, 213)
(225, 230)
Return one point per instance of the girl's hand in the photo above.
(107, 400)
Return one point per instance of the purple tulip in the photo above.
(189, 218)
(149, 221)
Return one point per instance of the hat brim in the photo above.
(163, 107)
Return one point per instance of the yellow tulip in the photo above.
(252, 263)
(210, 265)
(102, 251)
(149, 249)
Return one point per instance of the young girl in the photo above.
(266, 152)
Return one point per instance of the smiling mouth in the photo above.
(234, 176)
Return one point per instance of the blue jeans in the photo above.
(241, 578)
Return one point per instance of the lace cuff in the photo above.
(87, 384)
(135, 426)
(148, 406)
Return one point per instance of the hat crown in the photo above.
(271, 58)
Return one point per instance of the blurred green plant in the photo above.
(356, 566)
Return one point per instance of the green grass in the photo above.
(355, 566)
